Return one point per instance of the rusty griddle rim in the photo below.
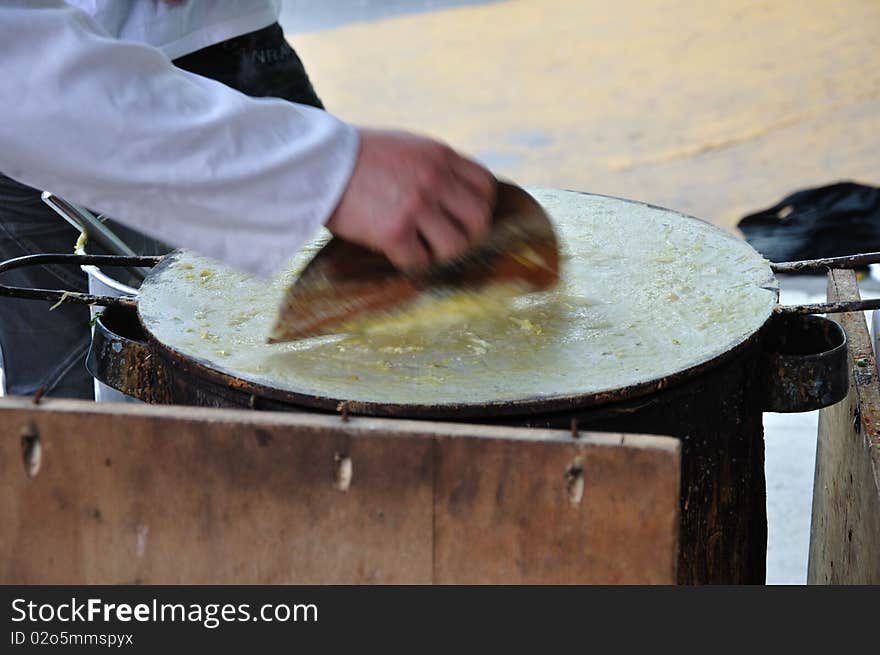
(540, 405)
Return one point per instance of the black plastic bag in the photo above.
(830, 221)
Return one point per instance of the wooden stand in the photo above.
(845, 532)
(119, 493)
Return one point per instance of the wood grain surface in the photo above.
(176, 495)
(845, 531)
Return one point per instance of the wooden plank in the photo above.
(179, 495)
(514, 512)
(845, 531)
(185, 496)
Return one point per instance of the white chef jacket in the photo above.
(114, 126)
(182, 27)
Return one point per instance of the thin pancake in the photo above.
(644, 293)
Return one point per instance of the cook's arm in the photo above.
(114, 126)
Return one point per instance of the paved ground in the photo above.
(312, 15)
(715, 109)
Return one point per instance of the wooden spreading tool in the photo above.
(346, 281)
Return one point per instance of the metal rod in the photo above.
(830, 307)
(95, 230)
(851, 261)
(76, 260)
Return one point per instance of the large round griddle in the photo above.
(648, 297)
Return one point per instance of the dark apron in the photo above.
(43, 349)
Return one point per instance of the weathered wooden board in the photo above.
(165, 495)
(507, 511)
(845, 532)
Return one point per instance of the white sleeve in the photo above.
(114, 126)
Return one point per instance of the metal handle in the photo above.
(94, 229)
(803, 364)
(849, 262)
(77, 260)
(830, 307)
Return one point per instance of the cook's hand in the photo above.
(414, 199)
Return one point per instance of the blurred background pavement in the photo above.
(712, 108)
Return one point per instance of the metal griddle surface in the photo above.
(645, 294)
